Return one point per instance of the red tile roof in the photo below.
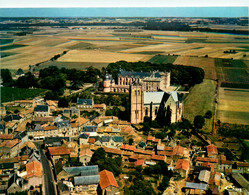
(226, 162)
(158, 158)
(127, 147)
(49, 128)
(91, 140)
(6, 136)
(182, 164)
(178, 150)
(139, 162)
(242, 164)
(112, 151)
(10, 143)
(213, 160)
(107, 179)
(34, 168)
(56, 151)
(208, 165)
(212, 149)
(153, 139)
(85, 152)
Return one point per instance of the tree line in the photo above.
(180, 75)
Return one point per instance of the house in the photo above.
(16, 184)
(55, 141)
(200, 160)
(212, 151)
(24, 103)
(241, 181)
(243, 167)
(116, 141)
(84, 103)
(19, 73)
(225, 164)
(85, 156)
(108, 183)
(204, 176)
(41, 111)
(34, 174)
(100, 107)
(12, 118)
(182, 167)
(157, 158)
(83, 138)
(51, 131)
(127, 147)
(10, 147)
(198, 186)
(73, 111)
(91, 130)
(57, 152)
(36, 133)
(22, 136)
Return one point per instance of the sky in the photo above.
(126, 8)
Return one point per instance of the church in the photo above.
(147, 104)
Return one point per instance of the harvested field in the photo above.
(100, 56)
(200, 99)
(233, 106)
(208, 64)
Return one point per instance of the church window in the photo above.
(146, 111)
(156, 111)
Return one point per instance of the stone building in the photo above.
(151, 81)
(147, 104)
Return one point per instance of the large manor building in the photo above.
(148, 91)
(151, 81)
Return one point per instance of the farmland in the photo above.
(9, 94)
(233, 105)
(101, 45)
(198, 102)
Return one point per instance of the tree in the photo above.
(99, 154)
(6, 77)
(199, 122)
(168, 116)
(131, 141)
(208, 114)
(51, 95)
(63, 102)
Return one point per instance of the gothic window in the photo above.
(146, 111)
(156, 111)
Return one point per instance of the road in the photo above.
(48, 176)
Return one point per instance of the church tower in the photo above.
(137, 102)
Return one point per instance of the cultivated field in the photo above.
(101, 45)
(201, 99)
(233, 106)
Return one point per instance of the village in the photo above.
(49, 149)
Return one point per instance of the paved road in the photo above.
(48, 177)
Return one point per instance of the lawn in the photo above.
(162, 59)
(9, 94)
(12, 46)
(200, 99)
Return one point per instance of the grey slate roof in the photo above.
(20, 135)
(83, 136)
(118, 138)
(84, 101)
(124, 73)
(155, 97)
(105, 139)
(200, 186)
(241, 180)
(53, 140)
(2, 127)
(38, 127)
(41, 108)
(12, 117)
(7, 166)
(86, 180)
(89, 172)
(77, 170)
(65, 123)
(89, 129)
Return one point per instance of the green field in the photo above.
(12, 46)
(200, 99)
(6, 54)
(162, 59)
(70, 65)
(6, 41)
(9, 94)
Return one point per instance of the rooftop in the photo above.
(34, 168)
(41, 108)
(56, 151)
(182, 164)
(107, 179)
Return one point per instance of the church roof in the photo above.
(155, 97)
